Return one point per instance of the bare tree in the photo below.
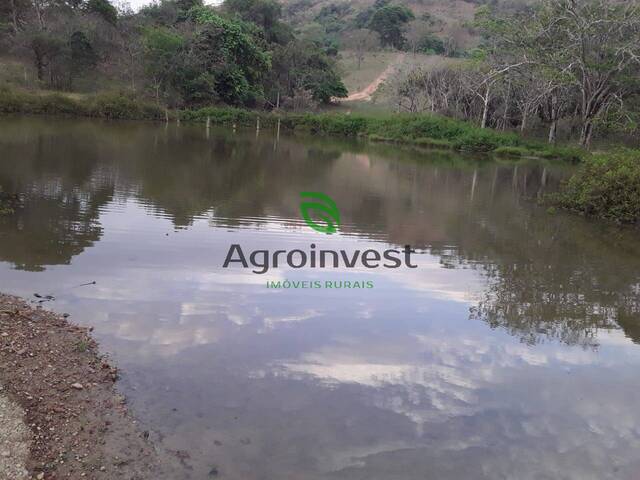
(593, 45)
(362, 41)
(415, 33)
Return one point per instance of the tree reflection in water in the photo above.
(548, 277)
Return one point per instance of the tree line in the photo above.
(559, 61)
(179, 52)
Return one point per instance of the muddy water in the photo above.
(510, 352)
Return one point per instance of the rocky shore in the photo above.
(60, 414)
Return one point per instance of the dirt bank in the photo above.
(58, 403)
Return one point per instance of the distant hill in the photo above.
(450, 18)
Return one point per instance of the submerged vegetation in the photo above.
(606, 186)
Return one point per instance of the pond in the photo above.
(511, 351)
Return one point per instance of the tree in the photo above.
(303, 66)
(590, 45)
(185, 53)
(599, 43)
(13, 13)
(419, 38)
(264, 13)
(103, 9)
(161, 47)
(230, 56)
(363, 17)
(129, 63)
(389, 21)
(82, 55)
(361, 41)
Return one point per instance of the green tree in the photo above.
(264, 13)
(230, 56)
(304, 66)
(161, 47)
(104, 9)
(389, 22)
(82, 55)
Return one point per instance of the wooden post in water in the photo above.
(208, 126)
(166, 115)
(178, 119)
(257, 126)
(234, 127)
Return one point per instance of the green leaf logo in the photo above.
(325, 209)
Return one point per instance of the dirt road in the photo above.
(369, 90)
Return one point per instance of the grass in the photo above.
(105, 105)
(417, 129)
(606, 186)
(82, 346)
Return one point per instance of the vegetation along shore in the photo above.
(428, 130)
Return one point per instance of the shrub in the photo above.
(374, 137)
(605, 186)
(570, 154)
(107, 105)
(433, 143)
(121, 106)
(484, 140)
(514, 151)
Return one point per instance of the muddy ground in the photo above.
(60, 414)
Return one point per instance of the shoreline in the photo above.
(413, 129)
(74, 423)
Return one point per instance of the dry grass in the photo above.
(371, 68)
(16, 73)
(375, 63)
(384, 97)
(452, 18)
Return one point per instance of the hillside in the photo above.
(435, 29)
(449, 18)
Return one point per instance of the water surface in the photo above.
(511, 352)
